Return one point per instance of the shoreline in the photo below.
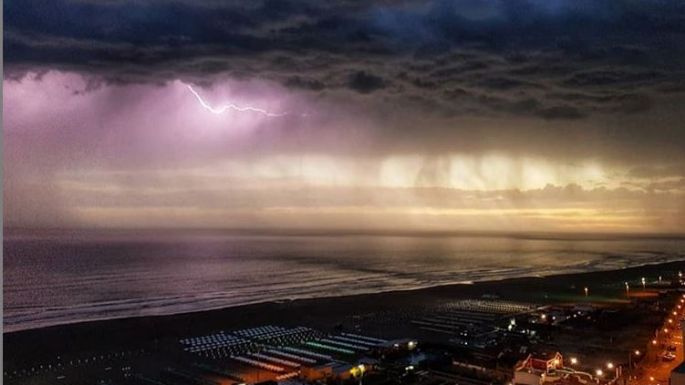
(333, 297)
(324, 313)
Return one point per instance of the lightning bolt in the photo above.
(230, 106)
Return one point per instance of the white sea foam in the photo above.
(53, 280)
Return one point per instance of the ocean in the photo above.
(52, 279)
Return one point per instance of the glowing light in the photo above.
(574, 360)
(230, 106)
(610, 365)
(358, 371)
(599, 372)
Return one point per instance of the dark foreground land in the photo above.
(386, 315)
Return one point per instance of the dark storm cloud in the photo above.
(599, 78)
(538, 58)
(504, 84)
(560, 112)
(305, 83)
(364, 83)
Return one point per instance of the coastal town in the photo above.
(625, 330)
(343, 192)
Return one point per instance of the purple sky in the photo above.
(483, 118)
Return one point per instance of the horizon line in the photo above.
(289, 231)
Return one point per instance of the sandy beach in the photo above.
(370, 312)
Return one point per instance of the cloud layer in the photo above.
(548, 59)
(508, 103)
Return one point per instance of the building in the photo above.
(534, 370)
(678, 375)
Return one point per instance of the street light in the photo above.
(630, 358)
(358, 372)
(654, 342)
(599, 372)
(644, 282)
(610, 365)
(574, 360)
(586, 290)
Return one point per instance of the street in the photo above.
(654, 370)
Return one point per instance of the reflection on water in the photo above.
(51, 279)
